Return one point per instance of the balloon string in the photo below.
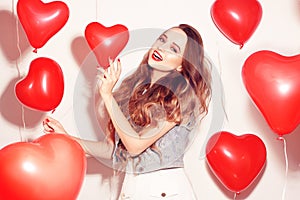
(22, 138)
(13, 6)
(18, 47)
(235, 195)
(23, 117)
(286, 164)
(96, 10)
(219, 59)
(220, 68)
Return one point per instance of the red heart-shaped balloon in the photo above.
(106, 42)
(273, 83)
(41, 20)
(235, 160)
(51, 167)
(237, 20)
(43, 87)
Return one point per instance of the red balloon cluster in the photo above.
(235, 160)
(237, 20)
(41, 21)
(273, 83)
(51, 167)
(43, 87)
(106, 42)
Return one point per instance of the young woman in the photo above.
(151, 116)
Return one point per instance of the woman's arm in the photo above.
(130, 138)
(134, 143)
(101, 149)
(98, 149)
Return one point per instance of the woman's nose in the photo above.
(163, 47)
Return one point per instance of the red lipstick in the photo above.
(156, 56)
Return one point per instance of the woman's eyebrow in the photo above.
(164, 35)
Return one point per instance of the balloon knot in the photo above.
(35, 50)
(280, 138)
(241, 46)
(53, 111)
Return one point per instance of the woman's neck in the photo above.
(156, 75)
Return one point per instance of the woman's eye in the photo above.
(161, 39)
(174, 50)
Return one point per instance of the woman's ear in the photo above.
(179, 68)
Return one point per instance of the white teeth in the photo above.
(157, 55)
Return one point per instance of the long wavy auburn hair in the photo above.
(175, 97)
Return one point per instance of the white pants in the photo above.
(168, 184)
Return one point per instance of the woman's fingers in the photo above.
(106, 74)
(47, 129)
(118, 72)
(52, 125)
(112, 69)
(109, 77)
(110, 61)
(113, 72)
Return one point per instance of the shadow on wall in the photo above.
(293, 149)
(87, 107)
(11, 108)
(12, 35)
(80, 49)
(86, 97)
(94, 166)
(85, 58)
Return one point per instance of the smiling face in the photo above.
(167, 51)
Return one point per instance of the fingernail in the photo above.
(47, 120)
(118, 59)
(100, 69)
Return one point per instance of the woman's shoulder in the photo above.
(178, 133)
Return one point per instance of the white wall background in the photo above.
(278, 31)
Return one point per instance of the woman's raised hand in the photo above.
(110, 77)
(53, 126)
